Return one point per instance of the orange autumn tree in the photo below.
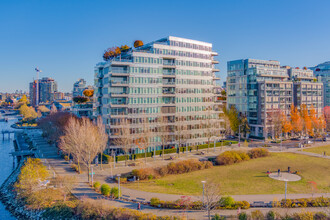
(286, 124)
(296, 120)
(307, 122)
(314, 120)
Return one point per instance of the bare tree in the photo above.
(209, 126)
(164, 131)
(181, 131)
(84, 140)
(124, 138)
(103, 137)
(211, 197)
(143, 138)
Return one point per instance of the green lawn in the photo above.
(247, 177)
(319, 150)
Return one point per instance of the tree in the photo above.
(233, 118)
(111, 53)
(143, 138)
(88, 92)
(28, 112)
(211, 197)
(296, 121)
(53, 109)
(103, 137)
(80, 99)
(326, 112)
(66, 183)
(286, 124)
(164, 132)
(245, 128)
(124, 139)
(84, 140)
(138, 43)
(209, 126)
(181, 131)
(124, 48)
(307, 123)
(32, 173)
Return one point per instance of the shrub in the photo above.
(154, 201)
(257, 215)
(218, 217)
(114, 192)
(105, 189)
(228, 157)
(271, 215)
(106, 158)
(243, 216)
(227, 201)
(97, 185)
(320, 216)
(66, 158)
(58, 211)
(75, 167)
(258, 152)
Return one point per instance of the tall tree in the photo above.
(84, 140)
(286, 124)
(245, 128)
(296, 121)
(233, 118)
(212, 196)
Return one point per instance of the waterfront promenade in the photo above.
(58, 166)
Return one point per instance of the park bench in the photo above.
(125, 196)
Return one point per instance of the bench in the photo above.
(259, 204)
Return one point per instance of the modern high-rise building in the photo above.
(323, 70)
(258, 88)
(47, 89)
(171, 79)
(78, 88)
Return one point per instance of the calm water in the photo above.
(6, 163)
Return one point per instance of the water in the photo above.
(6, 162)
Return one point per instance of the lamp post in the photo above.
(286, 188)
(203, 182)
(239, 135)
(37, 85)
(118, 175)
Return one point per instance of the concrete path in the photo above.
(57, 165)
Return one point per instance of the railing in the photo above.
(121, 82)
(168, 83)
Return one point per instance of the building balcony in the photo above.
(118, 105)
(168, 84)
(121, 62)
(215, 70)
(214, 53)
(121, 83)
(118, 94)
(119, 73)
(215, 62)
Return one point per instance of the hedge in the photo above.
(106, 157)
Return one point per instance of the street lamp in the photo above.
(203, 182)
(239, 135)
(118, 175)
(286, 188)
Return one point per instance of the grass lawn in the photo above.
(247, 177)
(319, 150)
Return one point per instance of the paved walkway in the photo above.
(48, 153)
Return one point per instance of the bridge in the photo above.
(8, 132)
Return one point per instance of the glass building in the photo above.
(171, 78)
(323, 70)
(258, 88)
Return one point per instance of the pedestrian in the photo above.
(139, 206)
(278, 172)
(324, 153)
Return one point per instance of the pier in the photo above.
(8, 132)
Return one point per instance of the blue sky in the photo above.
(66, 38)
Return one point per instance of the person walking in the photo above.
(139, 206)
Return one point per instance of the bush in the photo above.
(185, 166)
(243, 216)
(114, 192)
(66, 158)
(320, 216)
(106, 158)
(154, 201)
(58, 211)
(75, 167)
(105, 189)
(97, 185)
(258, 152)
(257, 215)
(271, 215)
(218, 217)
(227, 201)
(231, 157)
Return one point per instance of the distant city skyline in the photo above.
(66, 38)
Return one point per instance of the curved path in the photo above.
(48, 153)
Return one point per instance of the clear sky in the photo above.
(66, 38)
